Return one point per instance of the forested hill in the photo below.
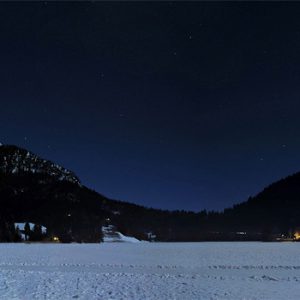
(276, 209)
(36, 190)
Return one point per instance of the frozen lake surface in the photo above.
(150, 271)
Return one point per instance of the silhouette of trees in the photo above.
(37, 234)
(27, 231)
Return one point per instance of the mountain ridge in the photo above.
(14, 159)
(36, 190)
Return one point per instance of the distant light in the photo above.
(297, 235)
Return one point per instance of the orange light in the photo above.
(297, 235)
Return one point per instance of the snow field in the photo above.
(150, 271)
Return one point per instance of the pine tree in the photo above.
(37, 234)
(27, 231)
(17, 236)
(3, 231)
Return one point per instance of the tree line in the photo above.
(11, 233)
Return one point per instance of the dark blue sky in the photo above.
(169, 105)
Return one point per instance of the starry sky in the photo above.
(169, 105)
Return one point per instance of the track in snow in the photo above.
(150, 271)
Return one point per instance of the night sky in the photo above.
(169, 105)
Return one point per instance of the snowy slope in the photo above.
(110, 235)
(21, 227)
(31, 225)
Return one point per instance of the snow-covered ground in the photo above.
(110, 235)
(150, 271)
